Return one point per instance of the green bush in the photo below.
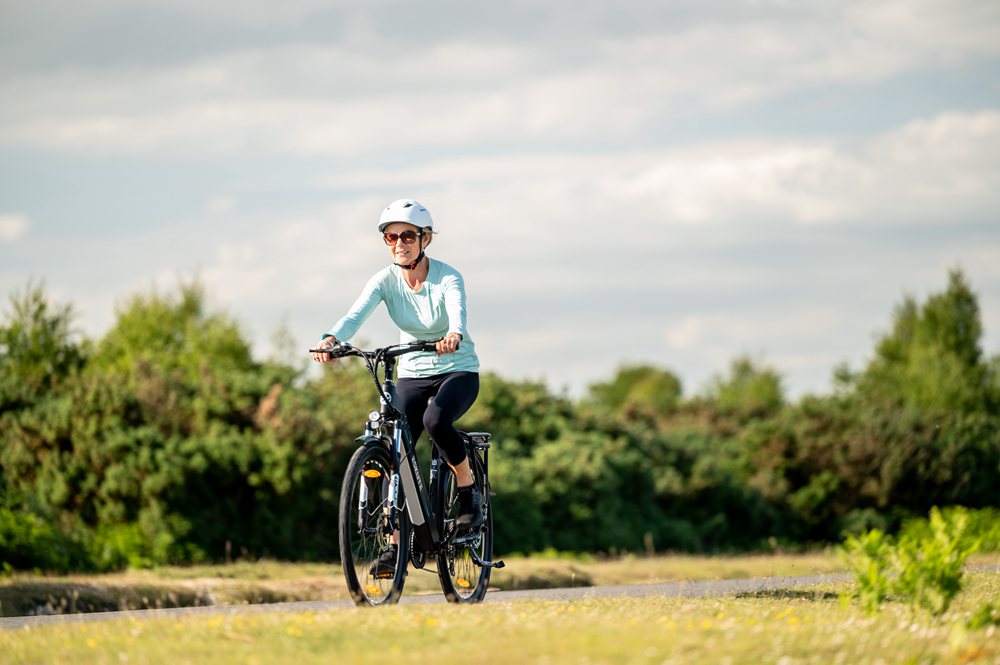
(867, 556)
(923, 568)
(982, 527)
(165, 441)
(930, 569)
(28, 542)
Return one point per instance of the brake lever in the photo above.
(339, 348)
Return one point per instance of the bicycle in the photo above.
(383, 477)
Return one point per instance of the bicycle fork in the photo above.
(390, 506)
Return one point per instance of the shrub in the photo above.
(923, 568)
(981, 526)
(930, 568)
(867, 555)
(29, 542)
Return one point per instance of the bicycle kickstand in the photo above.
(484, 564)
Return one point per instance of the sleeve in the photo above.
(454, 304)
(362, 308)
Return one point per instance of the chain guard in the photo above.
(418, 559)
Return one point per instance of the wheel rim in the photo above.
(369, 530)
(466, 576)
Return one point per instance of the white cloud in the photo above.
(564, 160)
(13, 227)
(555, 246)
(220, 205)
(350, 97)
(927, 169)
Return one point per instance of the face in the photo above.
(400, 251)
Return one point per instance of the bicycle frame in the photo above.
(426, 524)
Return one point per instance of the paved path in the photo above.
(699, 589)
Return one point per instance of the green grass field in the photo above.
(269, 581)
(796, 626)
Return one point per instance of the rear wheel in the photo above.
(462, 579)
(366, 532)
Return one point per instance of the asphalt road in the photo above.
(697, 589)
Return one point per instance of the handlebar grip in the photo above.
(431, 345)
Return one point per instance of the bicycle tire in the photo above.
(364, 530)
(462, 580)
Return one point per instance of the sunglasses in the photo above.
(408, 237)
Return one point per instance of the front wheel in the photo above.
(367, 530)
(462, 579)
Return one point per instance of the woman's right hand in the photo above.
(325, 343)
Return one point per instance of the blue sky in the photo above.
(672, 183)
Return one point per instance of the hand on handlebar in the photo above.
(449, 344)
(326, 343)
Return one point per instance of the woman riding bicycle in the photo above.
(426, 299)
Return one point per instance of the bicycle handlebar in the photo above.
(344, 349)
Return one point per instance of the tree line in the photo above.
(166, 441)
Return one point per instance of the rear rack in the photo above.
(479, 440)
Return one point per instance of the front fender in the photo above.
(372, 440)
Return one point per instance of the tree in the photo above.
(639, 390)
(931, 360)
(749, 391)
(173, 333)
(38, 347)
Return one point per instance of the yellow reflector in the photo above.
(464, 583)
(373, 590)
(373, 473)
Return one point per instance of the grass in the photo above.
(270, 581)
(806, 626)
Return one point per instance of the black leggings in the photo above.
(453, 394)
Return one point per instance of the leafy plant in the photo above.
(930, 569)
(867, 555)
(924, 571)
(982, 526)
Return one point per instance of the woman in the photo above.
(426, 299)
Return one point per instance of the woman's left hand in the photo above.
(449, 344)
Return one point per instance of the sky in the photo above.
(671, 183)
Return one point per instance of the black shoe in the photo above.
(470, 508)
(385, 566)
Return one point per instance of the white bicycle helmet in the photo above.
(405, 210)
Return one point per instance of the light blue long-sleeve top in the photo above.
(437, 309)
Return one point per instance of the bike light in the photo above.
(373, 473)
(374, 417)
